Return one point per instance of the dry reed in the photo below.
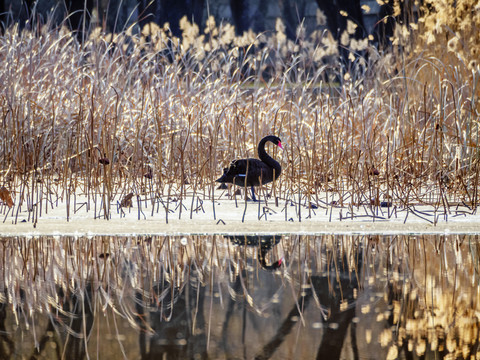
(160, 118)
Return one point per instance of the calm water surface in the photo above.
(240, 297)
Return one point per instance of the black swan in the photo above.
(265, 242)
(254, 172)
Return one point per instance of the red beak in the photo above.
(280, 145)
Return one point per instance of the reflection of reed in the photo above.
(435, 302)
(209, 296)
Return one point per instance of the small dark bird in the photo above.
(254, 172)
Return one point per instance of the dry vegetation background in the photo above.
(155, 115)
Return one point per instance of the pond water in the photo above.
(240, 297)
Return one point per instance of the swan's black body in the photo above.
(265, 242)
(254, 172)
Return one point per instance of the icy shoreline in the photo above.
(224, 216)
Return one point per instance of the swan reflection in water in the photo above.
(264, 243)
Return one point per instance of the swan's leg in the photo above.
(253, 194)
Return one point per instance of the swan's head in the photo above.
(276, 140)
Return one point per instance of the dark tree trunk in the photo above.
(7, 345)
(147, 12)
(385, 24)
(383, 30)
(174, 315)
(20, 11)
(172, 11)
(80, 321)
(79, 13)
(331, 12)
(121, 14)
(293, 13)
(3, 17)
(248, 16)
(240, 16)
(337, 23)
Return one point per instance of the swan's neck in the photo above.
(267, 159)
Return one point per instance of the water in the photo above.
(242, 297)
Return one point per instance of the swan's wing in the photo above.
(239, 167)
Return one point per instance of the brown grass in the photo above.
(159, 117)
